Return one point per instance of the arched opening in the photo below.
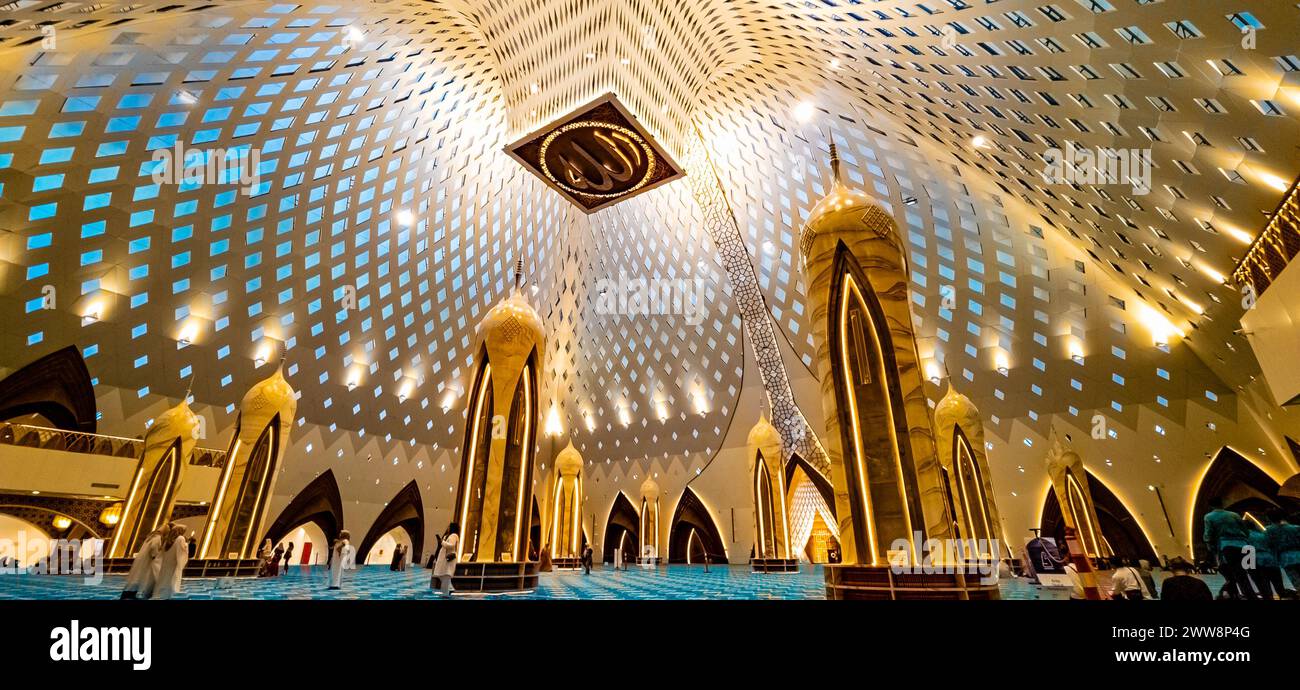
(693, 534)
(818, 481)
(30, 542)
(621, 530)
(1120, 531)
(1244, 488)
(56, 387)
(812, 523)
(405, 510)
(310, 544)
(312, 520)
(381, 552)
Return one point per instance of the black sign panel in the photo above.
(596, 156)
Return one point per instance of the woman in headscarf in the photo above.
(173, 559)
(143, 576)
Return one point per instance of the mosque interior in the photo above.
(734, 298)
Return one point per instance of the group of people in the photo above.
(272, 558)
(159, 565)
(1252, 555)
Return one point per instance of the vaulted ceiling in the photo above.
(385, 216)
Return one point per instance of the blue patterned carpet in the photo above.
(378, 582)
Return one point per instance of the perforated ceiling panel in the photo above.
(384, 215)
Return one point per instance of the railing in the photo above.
(46, 438)
(1275, 246)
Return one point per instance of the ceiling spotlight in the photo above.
(93, 314)
(405, 217)
(187, 335)
(534, 88)
(980, 142)
(805, 111)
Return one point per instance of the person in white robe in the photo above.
(338, 554)
(143, 575)
(173, 559)
(444, 564)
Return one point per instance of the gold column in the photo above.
(879, 437)
(767, 486)
(649, 518)
(959, 437)
(566, 507)
(243, 496)
(168, 445)
(1070, 483)
(495, 489)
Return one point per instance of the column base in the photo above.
(495, 577)
(567, 563)
(773, 565)
(881, 583)
(197, 567)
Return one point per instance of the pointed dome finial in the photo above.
(519, 274)
(835, 159)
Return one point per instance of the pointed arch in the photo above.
(692, 533)
(818, 479)
(1120, 530)
(1244, 488)
(621, 528)
(404, 510)
(319, 502)
(57, 387)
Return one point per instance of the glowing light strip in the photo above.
(555, 508)
(214, 514)
(577, 513)
(473, 451)
(758, 495)
(120, 545)
(785, 519)
(1072, 488)
(525, 457)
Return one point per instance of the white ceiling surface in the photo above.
(407, 105)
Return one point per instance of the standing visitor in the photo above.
(276, 556)
(288, 557)
(338, 554)
(192, 544)
(396, 563)
(143, 576)
(1226, 536)
(1284, 537)
(173, 560)
(1182, 585)
(1148, 577)
(1126, 582)
(1266, 575)
(586, 559)
(444, 564)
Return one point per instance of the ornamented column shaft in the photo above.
(168, 445)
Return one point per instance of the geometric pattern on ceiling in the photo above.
(386, 216)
